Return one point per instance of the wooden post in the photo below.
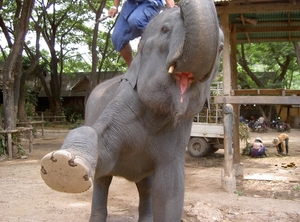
(30, 139)
(238, 166)
(9, 143)
(42, 124)
(228, 174)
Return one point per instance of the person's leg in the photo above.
(280, 148)
(138, 21)
(264, 151)
(287, 146)
(141, 16)
(126, 54)
(132, 27)
(121, 37)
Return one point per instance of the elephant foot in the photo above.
(65, 172)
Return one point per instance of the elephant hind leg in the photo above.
(63, 172)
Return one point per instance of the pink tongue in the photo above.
(184, 82)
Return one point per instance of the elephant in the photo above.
(137, 125)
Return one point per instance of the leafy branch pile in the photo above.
(244, 133)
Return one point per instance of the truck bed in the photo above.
(207, 130)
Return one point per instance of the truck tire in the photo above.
(198, 147)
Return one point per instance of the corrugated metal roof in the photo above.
(263, 20)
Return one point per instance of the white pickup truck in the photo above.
(207, 134)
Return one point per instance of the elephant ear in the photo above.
(132, 74)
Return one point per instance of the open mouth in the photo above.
(184, 80)
(189, 76)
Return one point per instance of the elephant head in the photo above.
(179, 55)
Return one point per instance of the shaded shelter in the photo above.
(73, 91)
(248, 21)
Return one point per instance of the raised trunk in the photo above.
(202, 32)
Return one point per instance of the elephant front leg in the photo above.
(168, 193)
(100, 195)
(72, 168)
(145, 204)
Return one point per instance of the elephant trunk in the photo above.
(201, 38)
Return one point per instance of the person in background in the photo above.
(261, 120)
(251, 123)
(281, 143)
(257, 149)
(132, 21)
(241, 118)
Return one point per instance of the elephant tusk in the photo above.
(171, 69)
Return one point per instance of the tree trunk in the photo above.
(243, 63)
(297, 50)
(55, 83)
(93, 78)
(41, 76)
(17, 83)
(22, 116)
(10, 66)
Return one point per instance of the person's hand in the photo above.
(113, 11)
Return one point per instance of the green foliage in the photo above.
(246, 149)
(1, 112)
(31, 101)
(274, 64)
(3, 144)
(244, 135)
(244, 132)
(296, 186)
(73, 113)
(239, 193)
(267, 65)
(16, 142)
(77, 63)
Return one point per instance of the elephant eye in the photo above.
(164, 29)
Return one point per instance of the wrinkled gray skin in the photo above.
(138, 125)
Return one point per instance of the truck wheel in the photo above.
(198, 147)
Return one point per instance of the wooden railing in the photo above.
(9, 138)
(33, 121)
(48, 118)
(30, 125)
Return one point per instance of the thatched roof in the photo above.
(73, 84)
(76, 84)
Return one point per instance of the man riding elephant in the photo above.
(132, 21)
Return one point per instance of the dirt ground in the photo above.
(269, 191)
